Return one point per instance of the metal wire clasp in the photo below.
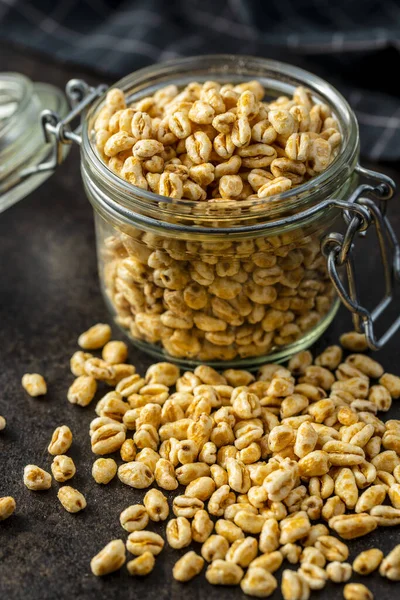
(339, 252)
(58, 131)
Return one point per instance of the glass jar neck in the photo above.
(119, 200)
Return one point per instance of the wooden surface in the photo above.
(49, 293)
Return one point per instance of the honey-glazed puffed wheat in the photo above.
(220, 300)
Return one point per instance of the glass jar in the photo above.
(229, 283)
(22, 151)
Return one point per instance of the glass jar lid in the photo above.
(22, 144)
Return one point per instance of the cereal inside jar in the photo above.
(211, 215)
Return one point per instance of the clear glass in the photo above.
(22, 144)
(227, 283)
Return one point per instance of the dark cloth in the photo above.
(354, 44)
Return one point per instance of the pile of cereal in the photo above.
(217, 301)
(281, 467)
(216, 142)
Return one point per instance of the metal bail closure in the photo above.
(35, 131)
(339, 252)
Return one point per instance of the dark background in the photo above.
(49, 294)
(353, 43)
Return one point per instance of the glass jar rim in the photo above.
(122, 196)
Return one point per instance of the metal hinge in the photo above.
(58, 131)
(339, 252)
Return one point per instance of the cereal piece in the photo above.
(82, 391)
(243, 551)
(299, 363)
(269, 537)
(72, 500)
(109, 559)
(339, 572)
(332, 548)
(270, 561)
(61, 440)
(202, 526)
(2, 423)
(77, 362)
(115, 99)
(293, 586)
(353, 341)
(249, 523)
(108, 438)
(372, 496)
(315, 576)
(34, 384)
(164, 373)
(274, 187)
(391, 383)
(63, 468)
(228, 530)
(215, 547)
(179, 533)
(366, 365)
(357, 591)
(7, 507)
(114, 352)
(221, 572)
(96, 337)
(313, 556)
(128, 451)
(135, 474)
(156, 505)
(368, 561)
(294, 527)
(99, 369)
(306, 440)
(201, 488)
(36, 478)
(187, 567)
(130, 385)
(258, 582)
(165, 475)
(140, 542)
(134, 518)
(390, 566)
(191, 471)
(104, 470)
(141, 565)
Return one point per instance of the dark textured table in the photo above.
(49, 293)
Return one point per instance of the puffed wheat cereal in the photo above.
(7, 507)
(63, 468)
(36, 478)
(134, 518)
(140, 542)
(357, 591)
(104, 470)
(34, 384)
(61, 440)
(141, 565)
(109, 559)
(368, 561)
(262, 459)
(72, 500)
(95, 337)
(214, 146)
